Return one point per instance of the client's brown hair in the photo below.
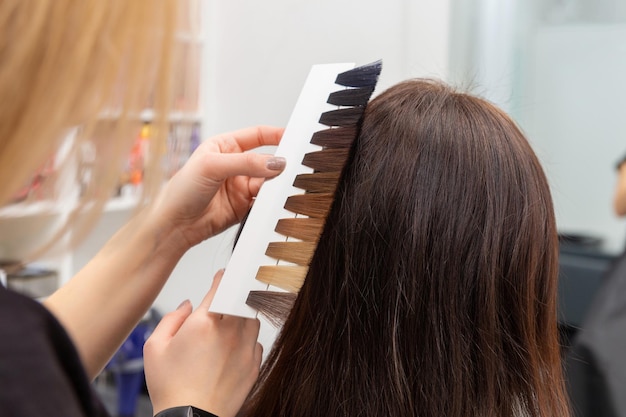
(432, 291)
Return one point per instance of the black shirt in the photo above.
(40, 371)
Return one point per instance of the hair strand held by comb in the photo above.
(273, 305)
(287, 277)
(327, 160)
(295, 252)
(303, 228)
(317, 182)
(319, 188)
(312, 205)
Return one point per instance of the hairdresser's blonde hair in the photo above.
(62, 64)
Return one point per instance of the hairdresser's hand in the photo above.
(202, 359)
(215, 188)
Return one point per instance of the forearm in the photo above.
(100, 306)
(103, 302)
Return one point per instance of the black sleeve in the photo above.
(184, 411)
(40, 371)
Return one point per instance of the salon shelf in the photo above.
(124, 203)
(184, 117)
(51, 208)
(24, 225)
(39, 208)
(189, 37)
(174, 116)
(148, 115)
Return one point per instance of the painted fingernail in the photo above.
(183, 304)
(276, 163)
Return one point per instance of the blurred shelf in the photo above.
(188, 37)
(148, 115)
(50, 208)
(30, 209)
(123, 203)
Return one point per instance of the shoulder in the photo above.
(40, 371)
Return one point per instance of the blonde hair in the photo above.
(63, 63)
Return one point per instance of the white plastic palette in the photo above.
(249, 253)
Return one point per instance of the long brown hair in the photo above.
(432, 291)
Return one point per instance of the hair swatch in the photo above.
(303, 228)
(342, 117)
(312, 205)
(319, 188)
(274, 305)
(332, 159)
(297, 252)
(289, 278)
(317, 182)
(337, 137)
(351, 96)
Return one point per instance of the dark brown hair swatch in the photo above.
(273, 305)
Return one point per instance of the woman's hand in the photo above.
(202, 359)
(211, 192)
(215, 188)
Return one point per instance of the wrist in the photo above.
(160, 233)
(184, 411)
(168, 227)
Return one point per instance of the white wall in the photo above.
(574, 110)
(557, 67)
(259, 53)
(257, 57)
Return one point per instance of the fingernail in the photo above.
(183, 304)
(276, 163)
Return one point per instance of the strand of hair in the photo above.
(351, 96)
(275, 306)
(318, 182)
(327, 159)
(312, 205)
(338, 137)
(286, 277)
(362, 76)
(343, 117)
(295, 252)
(303, 228)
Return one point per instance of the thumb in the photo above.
(251, 164)
(208, 298)
(171, 322)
